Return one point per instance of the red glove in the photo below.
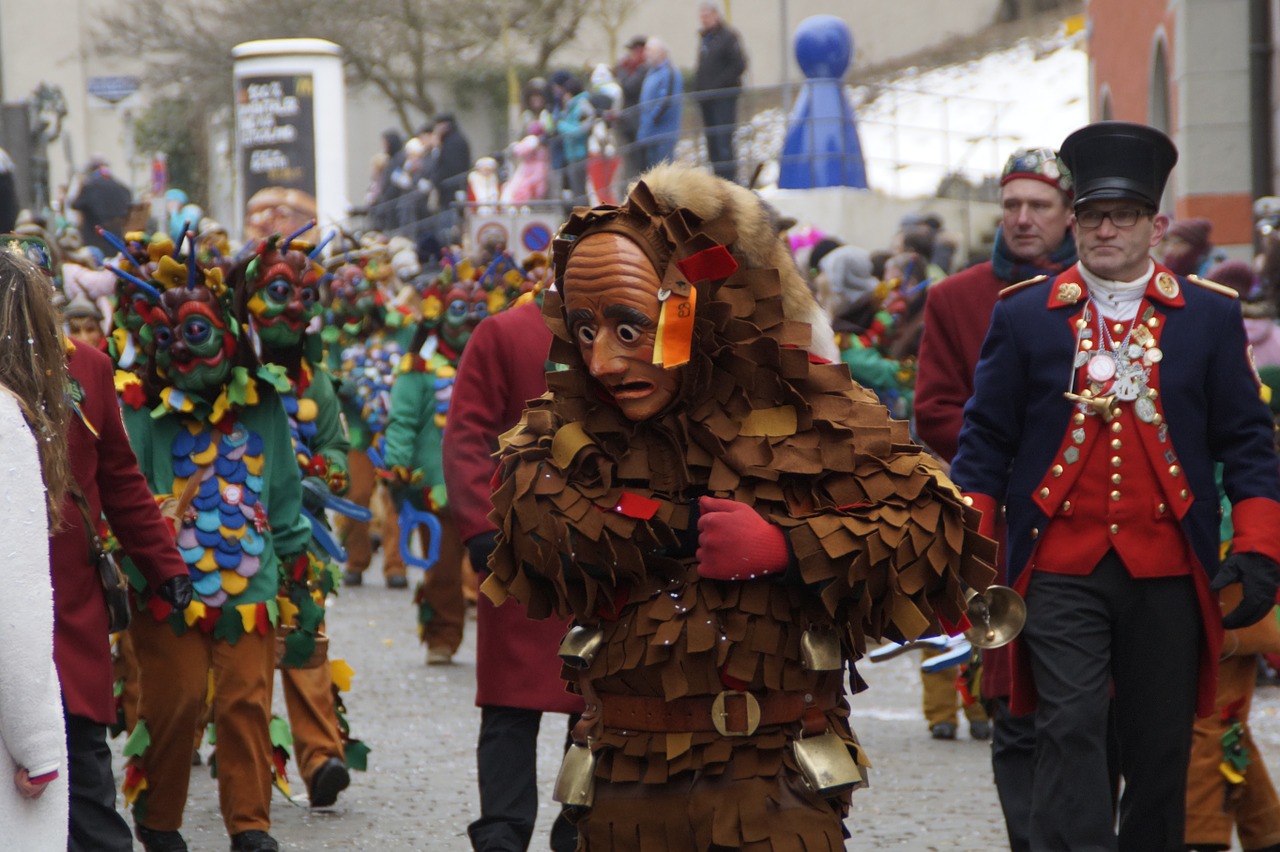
(735, 543)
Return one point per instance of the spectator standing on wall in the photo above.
(660, 104)
(629, 72)
(721, 64)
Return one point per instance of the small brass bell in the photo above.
(998, 616)
(820, 650)
(826, 764)
(580, 646)
(576, 782)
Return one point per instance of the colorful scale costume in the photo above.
(278, 294)
(215, 449)
(452, 305)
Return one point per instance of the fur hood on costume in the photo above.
(759, 239)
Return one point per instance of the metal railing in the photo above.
(913, 143)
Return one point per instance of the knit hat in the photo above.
(1040, 164)
(82, 308)
(1195, 233)
(1236, 274)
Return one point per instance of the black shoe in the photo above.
(327, 782)
(397, 581)
(159, 841)
(980, 730)
(253, 841)
(352, 578)
(943, 731)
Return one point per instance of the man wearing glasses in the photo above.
(1103, 399)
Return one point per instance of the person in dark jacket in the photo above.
(452, 162)
(383, 215)
(104, 201)
(629, 72)
(8, 193)
(721, 63)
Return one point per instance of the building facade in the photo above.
(1204, 72)
(35, 52)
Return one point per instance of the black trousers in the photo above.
(507, 758)
(1087, 636)
(720, 119)
(1013, 757)
(96, 825)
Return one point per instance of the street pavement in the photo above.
(421, 722)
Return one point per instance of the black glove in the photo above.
(176, 591)
(1259, 577)
(479, 547)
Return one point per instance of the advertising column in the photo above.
(291, 157)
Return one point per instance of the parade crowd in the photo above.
(690, 466)
(580, 137)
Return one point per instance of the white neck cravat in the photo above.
(1118, 300)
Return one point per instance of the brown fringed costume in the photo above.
(598, 519)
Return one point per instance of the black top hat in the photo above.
(1117, 159)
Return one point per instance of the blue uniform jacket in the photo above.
(1018, 417)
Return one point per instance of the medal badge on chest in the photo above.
(1115, 369)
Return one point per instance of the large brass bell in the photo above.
(580, 646)
(826, 765)
(576, 783)
(997, 615)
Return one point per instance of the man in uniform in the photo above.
(1034, 238)
(1102, 402)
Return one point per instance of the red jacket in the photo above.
(956, 315)
(957, 312)
(502, 368)
(106, 472)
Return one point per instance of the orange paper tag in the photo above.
(675, 330)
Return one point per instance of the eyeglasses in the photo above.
(1125, 217)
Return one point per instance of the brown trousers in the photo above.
(1213, 806)
(364, 491)
(308, 695)
(173, 677)
(941, 696)
(443, 589)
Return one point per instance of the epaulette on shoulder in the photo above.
(1013, 288)
(1229, 292)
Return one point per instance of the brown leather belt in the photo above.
(731, 713)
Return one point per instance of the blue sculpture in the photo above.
(822, 147)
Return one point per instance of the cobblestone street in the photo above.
(420, 790)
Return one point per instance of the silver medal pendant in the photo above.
(1145, 409)
(1102, 367)
(1128, 387)
(1082, 358)
(1153, 355)
(1134, 352)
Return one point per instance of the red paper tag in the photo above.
(635, 506)
(711, 264)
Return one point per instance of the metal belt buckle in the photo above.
(720, 715)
